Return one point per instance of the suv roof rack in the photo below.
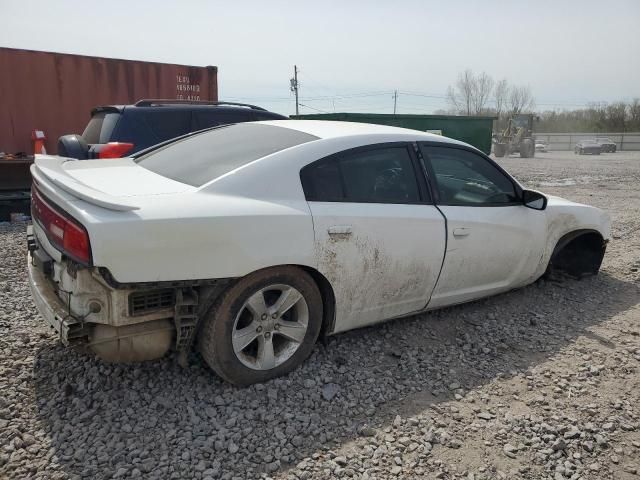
(151, 102)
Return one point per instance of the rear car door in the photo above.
(379, 239)
(494, 242)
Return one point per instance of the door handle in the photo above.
(340, 230)
(461, 232)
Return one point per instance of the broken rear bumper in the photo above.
(70, 330)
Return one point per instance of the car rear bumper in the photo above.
(70, 330)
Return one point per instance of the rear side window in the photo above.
(380, 175)
(322, 182)
(168, 124)
(198, 159)
(100, 127)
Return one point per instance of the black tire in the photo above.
(499, 149)
(215, 338)
(527, 148)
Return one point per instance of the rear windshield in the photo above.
(100, 128)
(198, 159)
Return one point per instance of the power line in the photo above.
(312, 108)
(427, 95)
(349, 95)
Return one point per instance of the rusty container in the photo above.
(55, 92)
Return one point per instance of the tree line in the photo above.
(595, 118)
(479, 94)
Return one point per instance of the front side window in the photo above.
(466, 178)
(380, 175)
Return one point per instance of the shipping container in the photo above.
(55, 92)
(475, 131)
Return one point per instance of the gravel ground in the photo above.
(543, 382)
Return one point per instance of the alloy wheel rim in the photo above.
(270, 327)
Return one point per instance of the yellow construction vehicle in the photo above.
(517, 137)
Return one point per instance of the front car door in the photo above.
(379, 240)
(494, 242)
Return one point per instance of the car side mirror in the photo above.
(533, 199)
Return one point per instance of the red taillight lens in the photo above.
(76, 242)
(114, 150)
(63, 232)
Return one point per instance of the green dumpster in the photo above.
(473, 130)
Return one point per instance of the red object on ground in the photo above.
(38, 138)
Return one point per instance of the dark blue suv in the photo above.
(121, 130)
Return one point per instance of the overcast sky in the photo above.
(352, 54)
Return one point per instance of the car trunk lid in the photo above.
(112, 184)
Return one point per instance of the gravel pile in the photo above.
(543, 382)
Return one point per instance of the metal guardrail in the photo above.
(567, 141)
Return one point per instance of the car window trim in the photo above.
(431, 176)
(138, 155)
(335, 157)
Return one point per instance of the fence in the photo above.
(567, 141)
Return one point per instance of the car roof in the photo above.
(326, 129)
(181, 107)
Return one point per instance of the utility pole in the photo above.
(395, 101)
(294, 86)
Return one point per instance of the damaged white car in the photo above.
(250, 241)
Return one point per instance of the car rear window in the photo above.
(198, 159)
(100, 127)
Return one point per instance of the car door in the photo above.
(379, 240)
(494, 242)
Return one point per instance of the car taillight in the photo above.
(114, 149)
(64, 233)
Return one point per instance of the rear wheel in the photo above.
(263, 326)
(527, 148)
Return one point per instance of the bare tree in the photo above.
(634, 114)
(460, 98)
(482, 88)
(501, 96)
(616, 116)
(471, 94)
(520, 99)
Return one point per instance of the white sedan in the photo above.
(252, 240)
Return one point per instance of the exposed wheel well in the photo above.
(328, 299)
(578, 253)
(326, 291)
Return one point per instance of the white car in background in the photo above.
(251, 240)
(541, 146)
